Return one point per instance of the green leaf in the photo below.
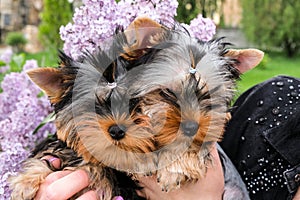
(17, 62)
(49, 118)
(2, 63)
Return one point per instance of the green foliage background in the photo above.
(273, 23)
(189, 9)
(55, 14)
(16, 40)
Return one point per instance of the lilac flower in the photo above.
(202, 28)
(21, 111)
(92, 23)
(4, 69)
(9, 165)
(6, 58)
(96, 20)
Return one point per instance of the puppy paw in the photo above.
(169, 181)
(27, 182)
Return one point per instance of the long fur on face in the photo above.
(197, 83)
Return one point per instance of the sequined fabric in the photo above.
(263, 137)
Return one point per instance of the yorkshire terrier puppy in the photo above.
(98, 124)
(186, 91)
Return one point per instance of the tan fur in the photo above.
(142, 33)
(50, 80)
(186, 167)
(92, 137)
(27, 183)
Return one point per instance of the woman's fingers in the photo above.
(56, 176)
(43, 192)
(62, 185)
(74, 182)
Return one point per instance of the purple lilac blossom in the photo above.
(4, 69)
(96, 21)
(202, 28)
(21, 111)
(6, 58)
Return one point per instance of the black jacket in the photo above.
(263, 138)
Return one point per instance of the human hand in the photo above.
(211, 187)
(62, 185)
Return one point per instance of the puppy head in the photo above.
(95, 113)
(194, 83)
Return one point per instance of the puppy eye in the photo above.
(138, 121)
(134, 105)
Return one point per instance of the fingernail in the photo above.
(119, 198)
(52, 159)
(52, 162)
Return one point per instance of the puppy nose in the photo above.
(117, 132)
(189, 128)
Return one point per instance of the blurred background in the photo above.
(30, 28)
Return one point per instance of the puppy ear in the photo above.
(247, 58)
(141, 34)
(49, 80)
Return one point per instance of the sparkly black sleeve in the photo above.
(262, 138)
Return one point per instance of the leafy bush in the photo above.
(189, 9)
(55, 14)
(16, 40)
(273, 23)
